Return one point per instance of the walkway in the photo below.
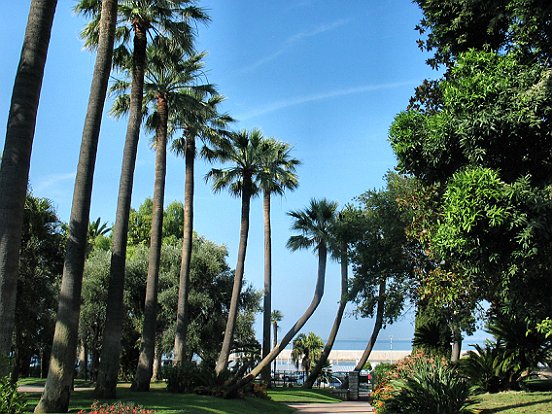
(358, 407)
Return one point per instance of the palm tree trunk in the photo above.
(337, 321)
(182, 316)
(275, 340)
(14, 171)
(267, 302)
(111, 346)
(224, 355)
(377, 327)
(318, 293)
(60, 373)
(144, 370)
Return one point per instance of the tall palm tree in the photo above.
(306, 351)
(277, 175)
(60, 373)
(16, 158)
(344, 233)
(171, 85)
(206, 123)
(275, 317)
(315, 225)
(170, 19)
(244, 150)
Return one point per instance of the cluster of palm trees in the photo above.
(151, 44)
(163, 89)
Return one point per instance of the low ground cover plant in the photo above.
(116, 408)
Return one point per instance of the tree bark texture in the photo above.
(16, 158)
(111, 346)
(182, 316)
(267, 298)
(222, 361)
(144, 370)
(60, 373)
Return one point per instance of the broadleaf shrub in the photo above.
(182, 378)
(11, 402)
(422, 385)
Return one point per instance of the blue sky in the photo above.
(326, 76)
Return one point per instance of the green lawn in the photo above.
(515, 403)
(166, 403)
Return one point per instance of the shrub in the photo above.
(182, 378)
(11, 402)
(422, 385)
(116, 408)
(490, 368)
(380, 372)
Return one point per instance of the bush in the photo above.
(490, 369)
(182, 378)
(380, 372)
(116, 408)
(422, 385)
(11, 402)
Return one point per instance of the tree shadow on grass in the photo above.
(512, 406)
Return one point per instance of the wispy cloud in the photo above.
(49, 182)
(292, 40)
(286, 103)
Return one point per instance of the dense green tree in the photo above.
(162, 19)
(452, 27)
(277, 175)
(40, 266)
(382, 265)
(244, 151)
(486, 154)
(56, 395)
(16, 158)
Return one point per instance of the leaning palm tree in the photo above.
(16, 158)
(244, 150)
(206, 123)
(171, 85)
(315, 225)
(277, 175)
(344, 233)
(170, 19)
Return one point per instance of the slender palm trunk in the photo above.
(337, 321)
(111, 346)
(16, 158)
(144, 370)
(267, 300)
(222, 361)
(60, 373)
(377, 327)
(275, 340)
(182, 316)
(318, 293)
(83, 361)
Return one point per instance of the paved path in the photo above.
(358, 407)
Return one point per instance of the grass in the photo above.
(163, 402)
(299, 395)
(515, 403)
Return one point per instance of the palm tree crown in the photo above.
(278, 170)
(315, 224)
